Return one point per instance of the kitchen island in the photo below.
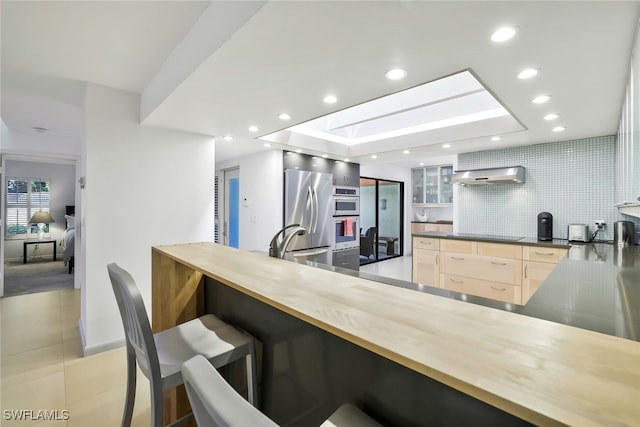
(487, 364)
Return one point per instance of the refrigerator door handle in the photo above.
(316, 209)
(310, 208)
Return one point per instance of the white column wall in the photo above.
(145, 186)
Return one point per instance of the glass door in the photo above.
(431, 184)
(446, 186)
(381, 219)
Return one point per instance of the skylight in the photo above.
(447, 102)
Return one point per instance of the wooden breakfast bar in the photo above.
(411, 358)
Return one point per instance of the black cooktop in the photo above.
(485, 237)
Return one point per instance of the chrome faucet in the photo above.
(278, 248)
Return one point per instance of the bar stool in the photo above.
(160, 356)
(216, 403)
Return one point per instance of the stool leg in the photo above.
(252, 376)
(131, 388)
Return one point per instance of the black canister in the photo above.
(545, 226)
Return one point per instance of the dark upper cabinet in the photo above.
(305, 162)
(346, 173)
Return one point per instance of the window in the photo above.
(26, 196)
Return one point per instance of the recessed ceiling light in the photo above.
(446, 145)
(541, 99)
(346, 160)
(406, 152)
(253, 129)
(503, 34)
(528, 73)
(269, 145)
(284, 116)
(298, 151)
(421, 164)
(396, 74)
(373, 156)
(551, 116)
(558, 128)
(325, 155)
(227, 138)
(496, 138)
(330, 99)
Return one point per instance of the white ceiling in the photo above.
(285, 56)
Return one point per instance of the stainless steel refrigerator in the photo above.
(307, 201)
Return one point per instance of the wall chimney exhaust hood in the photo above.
(505, 175)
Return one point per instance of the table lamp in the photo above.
(41, 218)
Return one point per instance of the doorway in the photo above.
(33, 255)
(381, 219)
(232, 207)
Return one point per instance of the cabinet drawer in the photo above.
(445, 227)
(426, 270)
(426, 243)
(483, 288)
(500, 250)
(539, 253)
(501, 270)
(458, 246)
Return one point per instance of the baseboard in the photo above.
(98, 348)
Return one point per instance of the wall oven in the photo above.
(346, 232)
(346, 201)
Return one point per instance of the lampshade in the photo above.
(41, 218)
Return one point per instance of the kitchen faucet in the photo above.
(278, 248)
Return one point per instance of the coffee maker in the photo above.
(545, 226)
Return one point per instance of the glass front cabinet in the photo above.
(431, 185)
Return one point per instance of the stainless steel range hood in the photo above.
(505, 175)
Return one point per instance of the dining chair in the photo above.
(160, 356)
(216, 404)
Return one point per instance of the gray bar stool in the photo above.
(216, 404)
(160, 356)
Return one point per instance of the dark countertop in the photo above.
(595, 287)
(440, 221)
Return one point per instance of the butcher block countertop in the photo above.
(546, 373)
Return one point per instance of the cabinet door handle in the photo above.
(544, 253)
(498, 289)
(425, 242)
(437, 257)
(525, 271)
(498, 263)
(457, 281)
(457, 258)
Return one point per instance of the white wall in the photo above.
(261, 183)
(62, 178)
(145, 186)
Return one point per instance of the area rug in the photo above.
(35, 276)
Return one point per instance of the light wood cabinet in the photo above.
(499, 271)
(483, 288)
(426, 268)
(426, 265)
(538, 262)
(503, 270)
(421, 227)
(458, 246)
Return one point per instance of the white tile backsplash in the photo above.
(573, 180)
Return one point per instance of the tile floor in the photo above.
(42, 367)
(396, 268)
